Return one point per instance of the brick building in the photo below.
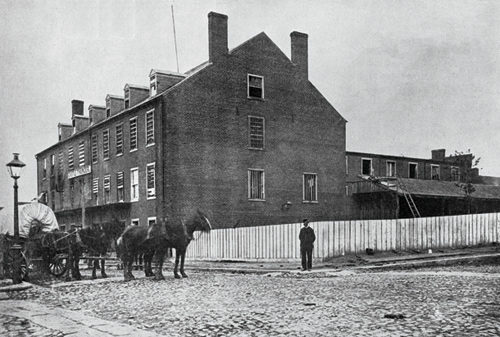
(244, 136)
(385, 186)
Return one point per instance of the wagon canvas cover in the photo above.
(39, 212)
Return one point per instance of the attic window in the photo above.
(255, 86)
(366, 166)
(152, 85)
(108, 112)
(127, 98)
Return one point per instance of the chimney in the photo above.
(76, 107)
(438, 154)
(217, 35)
(299, 52)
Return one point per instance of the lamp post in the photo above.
(15, 167)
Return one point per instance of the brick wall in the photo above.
(206, 153)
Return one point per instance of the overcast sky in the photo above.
(409, 76)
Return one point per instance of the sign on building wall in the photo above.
(79, 172)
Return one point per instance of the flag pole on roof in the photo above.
(175, 37)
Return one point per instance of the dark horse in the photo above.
(156, 239)
(54, 246)
(97, 241)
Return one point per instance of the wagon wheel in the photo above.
(58, 264)
(9, 265)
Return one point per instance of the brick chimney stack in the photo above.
(299, 52)
(217, 35)
(76, 108)
(438, 154)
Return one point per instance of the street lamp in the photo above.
(15, 167)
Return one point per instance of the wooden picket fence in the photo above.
(335, 238)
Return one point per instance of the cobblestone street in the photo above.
(422, 303)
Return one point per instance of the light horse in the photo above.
(156, 239)
(97, 241)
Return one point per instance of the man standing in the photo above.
(307, 238)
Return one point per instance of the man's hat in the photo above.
(305, 220)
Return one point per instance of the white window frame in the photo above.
(122, 186)
(132, 199)
(315, 201)
(81, 153)
(346, 165)
(108, 144)
(438, 171)
(371, 165)
(135, 220)
(147, 181)
(249, 187)
(387, 164)
(126, 98)
(416, 169)
(151, 218)
(95, 189)
(94, 148)
(104, 199)
(153, 84)
(118, 154)
(146, 127)
(248, 86)
(44, 168)
(136, 134)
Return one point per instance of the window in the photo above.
(256, 184)
(119, 139)
(119, 186)
(455, 173)
(413, 170)
(366, 167)
(81, 153)
(52, 164)
(95, 190)
(152, 85)
(105, 144)
(61, 161)
(44, 169)
(255, 88)
(53, 199)
(390, 169)
(256, 132)
(70, 158)
(151, 220)
(71, 192)
(127, 98)
(134, 222)
(150, 128)
(310, 184)
(346, 165)
(151, 183)
(108, 112)
(94, 149)
(133, 134)
(434, 172)
(134, 184)
(107, 188)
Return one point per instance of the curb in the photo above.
(16, 287)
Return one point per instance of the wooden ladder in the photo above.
(408, 198)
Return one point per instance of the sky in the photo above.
(408, 76)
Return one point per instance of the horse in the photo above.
(49, 244)
(156, 239)
(97, 241)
